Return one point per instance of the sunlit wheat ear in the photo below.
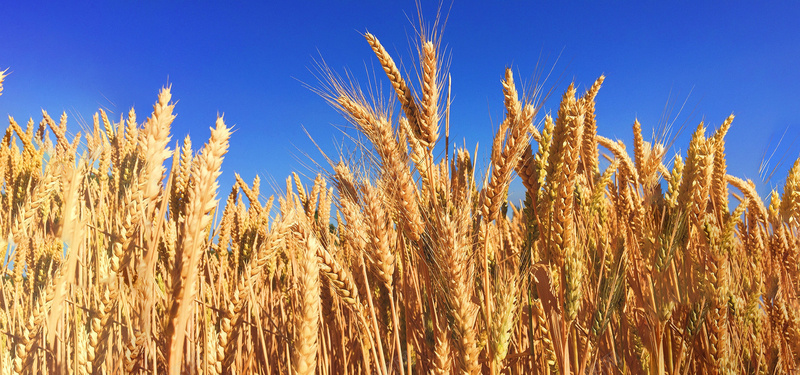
(674, 182)
(404, 94)
(72, 234)
(131, 133)
(155, 138)
(349, 206)
(509, 146)
(340, 278)
(313, 199)
(589, 152)
(719, 187)
(180, 186)
(202, 200)
(696, 182)
(429, 114)
(442, 360)
(626, 165)
(454, 271)
(503, 319)
(3, 76)
(562, 166)
(378, 234)
(543, 330)
(304, 356)
(718, 313)
(638, 149)
(394, 159)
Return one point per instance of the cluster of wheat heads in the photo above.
(397, 262)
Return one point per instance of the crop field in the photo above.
(123, 255)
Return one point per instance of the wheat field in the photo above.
(122, 255)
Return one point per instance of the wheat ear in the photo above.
(3, 76)
(719, 187)
(202, 200)
(589, 152)
(429, 114)
(507, 150)
(564, 156)
(305, 345)
(154, 147)
(790, 201)
(402, 90)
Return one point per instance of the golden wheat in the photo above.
(402, 262)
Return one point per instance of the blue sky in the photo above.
(250, 61)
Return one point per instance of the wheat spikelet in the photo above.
(602, 183)
(573, 279)
(326, 198)
(526, 169)
(542, 158)
(313, 199)
(301, 192)
(442, 362)
(231, 327)
(131, 133)
(462, 177)
(511, 97)
(28, 148)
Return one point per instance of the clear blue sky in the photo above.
(248, 61)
